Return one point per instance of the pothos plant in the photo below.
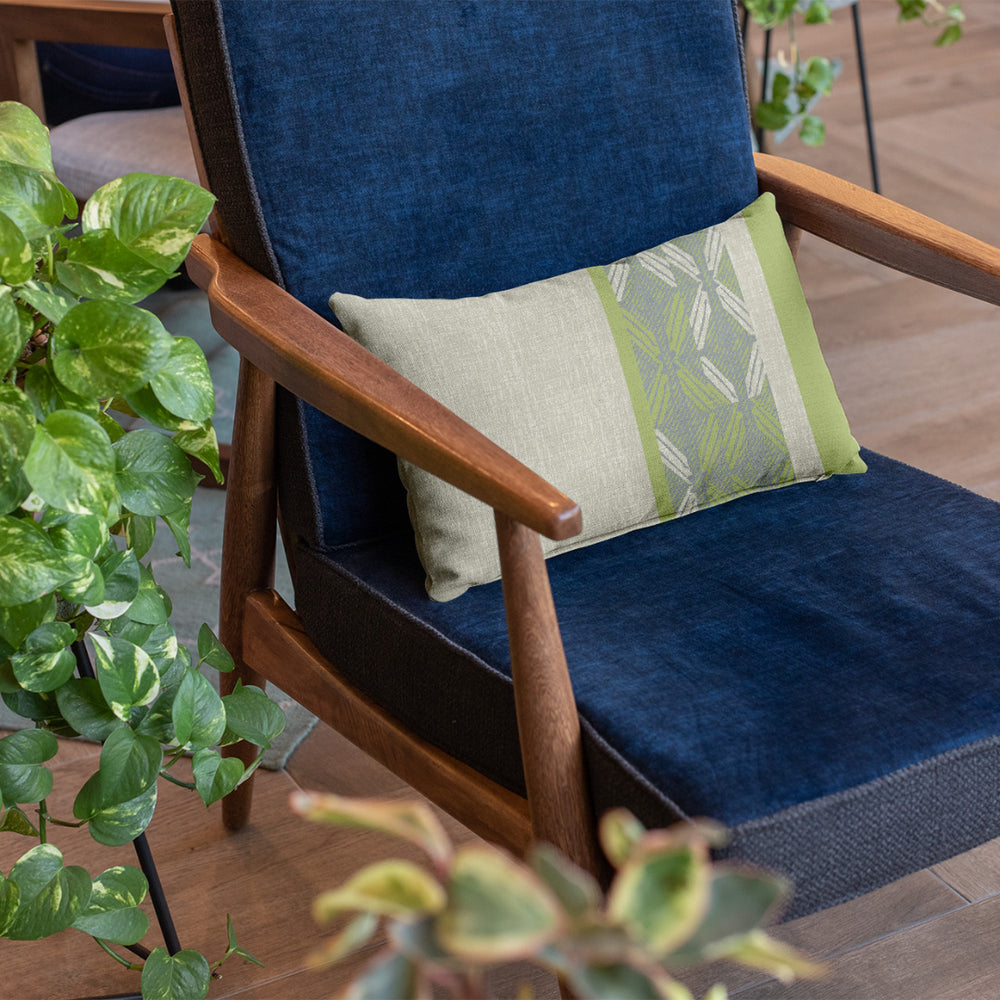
(797, 83)
(86, 644)
(668, 907)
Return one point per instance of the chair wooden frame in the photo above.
(282, 341)
(91, 22)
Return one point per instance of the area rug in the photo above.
(195, 591)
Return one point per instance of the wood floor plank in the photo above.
(975, 874)
(903, 904)
(952, 957)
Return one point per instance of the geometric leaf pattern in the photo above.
(702, 371)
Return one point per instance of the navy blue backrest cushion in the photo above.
(432, 148)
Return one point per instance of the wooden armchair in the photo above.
(813, 666)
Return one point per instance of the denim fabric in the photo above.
(447, 149)
(85, 79)
(783, 648)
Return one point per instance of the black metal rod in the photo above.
(865, 100)
(156, 894)
(144, 854)
(763, 83)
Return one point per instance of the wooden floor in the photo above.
(919, 373)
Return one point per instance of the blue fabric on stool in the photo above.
(755, 657)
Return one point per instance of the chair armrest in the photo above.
(881, 229)
(322, 365)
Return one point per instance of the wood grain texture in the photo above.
(323, 366)
(278, 648)
(547, 719)
(94, 22)
(248, 545)
(880, 229)
(940, 959)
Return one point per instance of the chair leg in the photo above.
(248, 543)
(547, 719)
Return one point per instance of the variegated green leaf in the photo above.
(619, 833)
(104, 349)
(18, 622)
(411, 821)
(86, 585)
(52, 301)
(172, 977)
(45, 661)
(23, 778)
(758, 951)
(139, 533)
(577, 891)
(122, 578)
(85, 534)
(184, 385)
(179, 523)
(151, 605)
(30, 565)
(740, 901)
(212, 652)
(498, 910)
(355, 935)
(252, 716)
(392, 977)
(70, 464)
(202, 444)
(17, 431)
(154, 475)
(11, 330)
(47, 395)
(99, 266)
(83, 706)
(199, 716)
(113, 912)
(15, 820)
(130, 763)
(17, 262)
(128, 677)
(395, 888)
(154, 216)
(120, 823)
(215, 776)
(23, 137)
(9, 898)
(145, 404)
(50, 897)
(661, 892)
(31, 199)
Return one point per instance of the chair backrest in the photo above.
(443, 148)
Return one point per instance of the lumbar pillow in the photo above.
(659, 385)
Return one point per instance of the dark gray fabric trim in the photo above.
(208, 75)
(738, 28)
(847, 844)
(441, 691)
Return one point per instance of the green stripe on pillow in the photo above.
(837, 448)
(637, 394)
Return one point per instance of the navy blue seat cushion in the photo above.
(421, 148)
(764, 659)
